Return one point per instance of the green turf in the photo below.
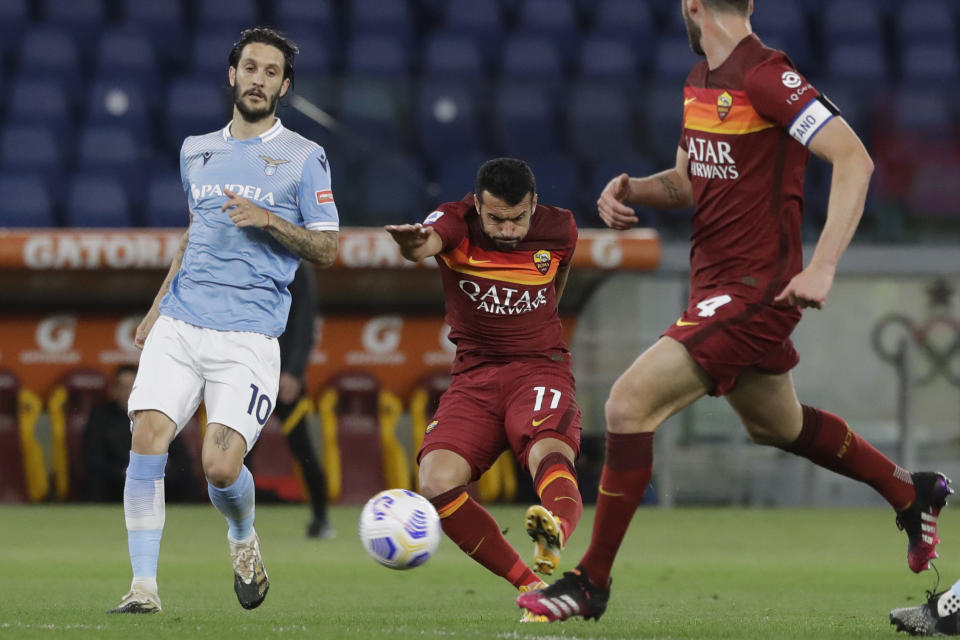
(686, 573)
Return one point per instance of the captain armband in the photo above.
(812, 118)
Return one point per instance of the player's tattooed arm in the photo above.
(143, 329)
(319, 247)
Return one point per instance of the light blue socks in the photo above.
(236, 503)
(145, 511)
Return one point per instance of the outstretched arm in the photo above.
(852, 167)
(416, 241)
(668, 189)
(319, 247)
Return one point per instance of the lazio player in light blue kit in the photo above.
(260, 200)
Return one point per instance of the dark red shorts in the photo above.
(493, 407)
(727, 333)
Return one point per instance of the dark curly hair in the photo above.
(509, 179)
(272, 37)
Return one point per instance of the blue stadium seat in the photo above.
(14, 15)
(194, 107)
(166, 204)
(209, 55)
(531, 57)
(82, 18)
(24, 202)
(624, 18)
(663, 117)
(383, 55)
(607, 58)
(119, 103)
(163, 24)
(227, 15)
(126, 54)
(848, 21)
(929, 64)
(922, 114)
(925, 21)
(447, 54)
(796, 46)
(456, 177)
(599, 124)
(315, 57)
(48, 53)
(393, 190)
(315, 17)
(31, 148)
(858, 64)
(112, 152)
(446, 120)
(97, 202)
(527, 119)
(381, 17)
(554, 19)
(40, 102)
(674, 60)
(558, 180)
(480, 20)
(372, 110)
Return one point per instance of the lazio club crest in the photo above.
(272, 164)
(542, 260)
(724, 102)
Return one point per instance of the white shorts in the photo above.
(235, 373)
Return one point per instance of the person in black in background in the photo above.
(106, 449)
(296, 343)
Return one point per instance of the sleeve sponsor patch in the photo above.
(809, 121)
(324, 197)
(433, 217)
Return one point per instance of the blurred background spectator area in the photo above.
(100, 94)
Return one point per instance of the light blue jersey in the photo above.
(235, 279)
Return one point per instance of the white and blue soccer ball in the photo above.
(400, 529)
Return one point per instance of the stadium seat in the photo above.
(112, 152)
(558, 180)
(162, 22)
(479, 20)
(527, 120)
(393, 191)
(126, 54)
(69, 406)
(208, 56)
(931, 64)
(24, 202)
(378, 55)
(31, 148)
(662, 115)
(599, 124)
(22, 473)
(627, 19)
(166, 204)
(40, 102)
(359, 422)
(194, 107)
(381, 17)
(674, 60)
(531, 57)
(863, 65)
(82, 18)
(372, 110)
(50, 54)
(922, 114)
(14, 17)
(316, 58)
(227, 15)
(851, 21)
(94, 201)
(456, 177)
(119, 103)
(607, 58)
(446, 120)
(308, 16)
(554, 19)
(925, 21)
(451, 55)
(797, 47)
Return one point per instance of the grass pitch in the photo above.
(686, 573)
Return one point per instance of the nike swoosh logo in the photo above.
(565, 498)
(610, 493)
(539, 422)
(473, 260)
(683, 323)
(470, 553)
(688, 101)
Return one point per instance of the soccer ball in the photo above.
(400, 529)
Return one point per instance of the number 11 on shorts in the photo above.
(541, 392)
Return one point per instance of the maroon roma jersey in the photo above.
(746, 125)
(502, 305)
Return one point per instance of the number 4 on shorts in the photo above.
(709, 306)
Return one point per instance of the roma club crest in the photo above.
(542, 260)
(724, 102)
(272, 164)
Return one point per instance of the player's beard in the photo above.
(693, 32)
(255, 115)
